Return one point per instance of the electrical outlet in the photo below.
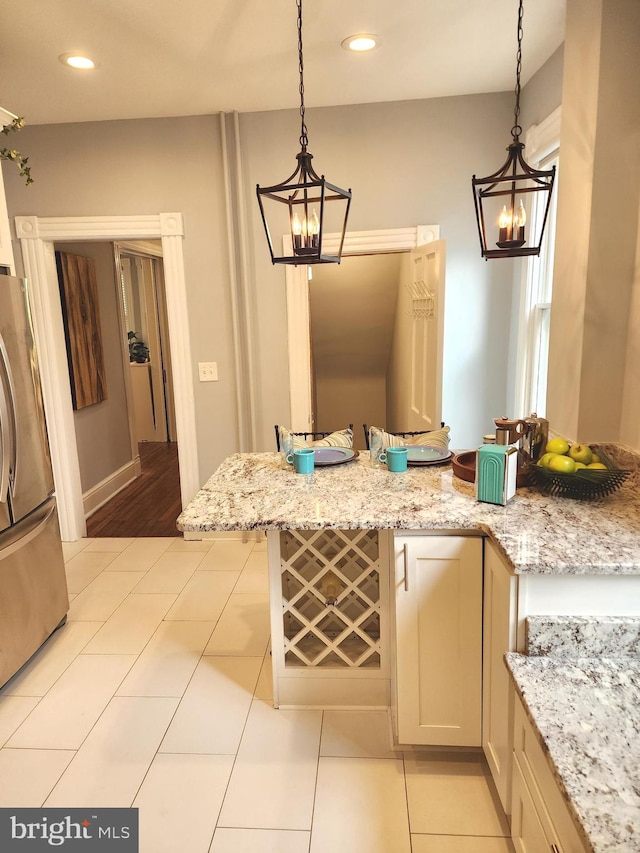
(208, 371)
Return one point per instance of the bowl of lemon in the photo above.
(575, 471)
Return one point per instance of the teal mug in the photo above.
(396, 459)
(303, 460)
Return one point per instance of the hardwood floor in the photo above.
(150, 505)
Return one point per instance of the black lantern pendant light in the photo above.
(305, 204)
(503, 200)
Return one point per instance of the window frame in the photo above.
(542, 145)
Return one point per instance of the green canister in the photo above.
(496, 472)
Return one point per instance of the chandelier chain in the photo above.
(304, 139)
(516, 130)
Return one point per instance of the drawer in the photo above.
(531, 762)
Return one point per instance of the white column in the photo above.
(40, 271)
(172, 234)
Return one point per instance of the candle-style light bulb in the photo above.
(519, 221)
(504, 224)
(296, 231)
(313, 229)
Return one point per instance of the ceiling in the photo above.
(165, 58)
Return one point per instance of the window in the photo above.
(542, 151)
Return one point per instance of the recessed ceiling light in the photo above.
(77, 60)
(361, 42)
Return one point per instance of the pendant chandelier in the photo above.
(504, 200)
(305, 205)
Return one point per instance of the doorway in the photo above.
(356, 243)
(143, 307)
(352, 309)
(37, 236)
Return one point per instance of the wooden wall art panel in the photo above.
(80, 310)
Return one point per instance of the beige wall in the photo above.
(408, 163)
(351, 399)
(596, 250)
(630, 426)
(151, 166)
(543, 92)
(102, 430)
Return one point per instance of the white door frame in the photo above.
(37, 236)
(298, 319)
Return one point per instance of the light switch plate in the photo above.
(208, 371)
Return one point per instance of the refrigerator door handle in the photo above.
(7, 427)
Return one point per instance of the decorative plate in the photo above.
(425, 455)
(333, 455)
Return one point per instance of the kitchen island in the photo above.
(403, 591)
(536, 534)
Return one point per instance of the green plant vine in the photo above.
(13, 155)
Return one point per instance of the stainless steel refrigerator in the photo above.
(33, 588)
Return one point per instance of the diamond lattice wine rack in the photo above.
(331, 599)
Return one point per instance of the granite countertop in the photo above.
(536, 533)
(586, 712)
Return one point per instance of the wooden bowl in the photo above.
(464, 465)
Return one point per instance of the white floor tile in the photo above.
(151, 682)
(255, 574)
(260, 841)
(213, 710)
(85, 567)
(109, 767)
(459, 844)
(451, 795)
(204, 596)
(198, 545)
(70, 549)
(28, 775)
(360, 806)
(226, 556)
(132, 625)
(357, 734)
(167, 663)
(98, 601)
(64, 717)
(107, 543)
(50, 661)
(244, 627)
(141, 554)
(169, 573)
(13, 712)
(261, 543)
(273, 780)
(179, 802)
(264, 687)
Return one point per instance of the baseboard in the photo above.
(102, 492)
(242, 535)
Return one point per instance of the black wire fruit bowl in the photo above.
(584, 484)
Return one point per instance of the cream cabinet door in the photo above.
(500, 627)
(438, 633)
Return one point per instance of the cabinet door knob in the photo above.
(405, 554)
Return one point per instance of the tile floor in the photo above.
(156, 694)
